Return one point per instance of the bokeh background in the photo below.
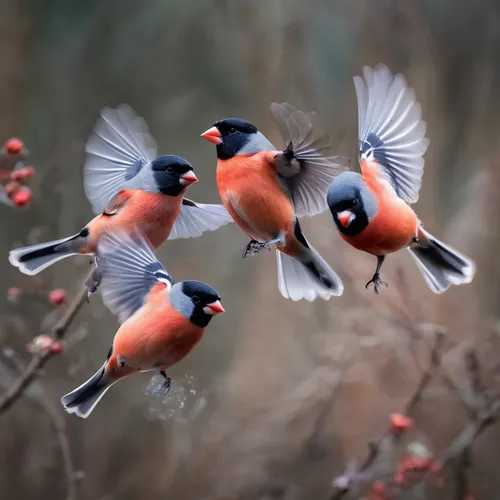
(279, 398)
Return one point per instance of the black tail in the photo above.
(35, 258)
(307, 276)
(85, 398)
(440, 264)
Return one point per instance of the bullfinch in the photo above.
(128, 185)
(266, 190)
(161, 321)
(372, 209)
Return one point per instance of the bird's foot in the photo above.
(93, 282)
(376, 283)
(167, 383)
(254, 248)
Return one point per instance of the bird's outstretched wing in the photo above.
(307, 165)
(128, 270)
(117, 149)
(391, 132)
(196, 218)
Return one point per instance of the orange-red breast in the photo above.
(161, 320)
(128, 185)
(265, 190)
(372, 209)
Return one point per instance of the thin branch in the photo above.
(32, 371)
(470, 433)
(312, 443)
(452, 387)
(461, 479)
(459, 450)
(59, 426)
(57, 423)
(374, 447)
(484, 414)
(479, 397)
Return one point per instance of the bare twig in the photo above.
(483, 413)
(450, 384)
(374, 447)
(464, 440)
(59, 426)
(461, 479)
(313, 443)
(57, 423)
(479, 397)
(32, 371)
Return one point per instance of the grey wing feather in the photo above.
(128, 269)
(196, 218)
(117, 149)
(391, 130)
(307, 165)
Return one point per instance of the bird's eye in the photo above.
(170, 170)
(354, 203)
(232, 130)
(196, 299)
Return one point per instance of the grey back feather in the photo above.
(180, 301)
(257, 142)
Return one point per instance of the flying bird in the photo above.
(128, 185)
(266, 191)
(372, 210)
(161, 321)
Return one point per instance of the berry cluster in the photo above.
(14, 174)
(56, 297)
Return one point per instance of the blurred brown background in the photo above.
(279, 397)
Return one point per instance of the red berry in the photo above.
(22, 173)
(13, 294)
(17, 175)
(22, 197)
(29, 171)
(400, 422)
(57, 347)
(58, 297)
(14, 146)
(4, 174)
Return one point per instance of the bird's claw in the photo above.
(254, 248)
(167, 383)
(93, 282)
(376, 283)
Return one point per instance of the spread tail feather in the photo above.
(307, 277)
(35, 258)
(84, 399)
(440, 264)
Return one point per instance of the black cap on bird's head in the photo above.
(233, 136)
(172, 174)
(196, 300)
(351, 203)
